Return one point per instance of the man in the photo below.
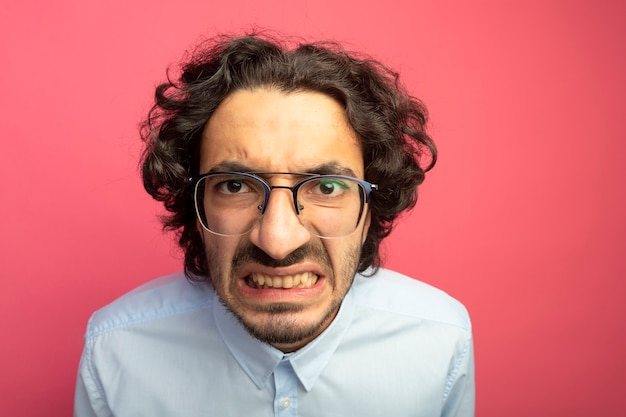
(282, 170)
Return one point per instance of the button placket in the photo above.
(286, 394)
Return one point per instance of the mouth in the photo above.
(263, 281)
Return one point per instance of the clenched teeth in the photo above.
(304, 280)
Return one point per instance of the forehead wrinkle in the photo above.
(328, 168)
(294, 141)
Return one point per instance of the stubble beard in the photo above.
(284, 326)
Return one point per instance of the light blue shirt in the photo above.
(397, 347)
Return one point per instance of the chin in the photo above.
(285, 324)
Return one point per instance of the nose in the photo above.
(279, 231)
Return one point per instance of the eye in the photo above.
(234, 186)
(330, 187)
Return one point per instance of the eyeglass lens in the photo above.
(230, 204)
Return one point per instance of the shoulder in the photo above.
(163, 297)
(401, 295)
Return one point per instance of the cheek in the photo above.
(219, 251)
(345, 255)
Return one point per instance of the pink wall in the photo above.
(523, 218)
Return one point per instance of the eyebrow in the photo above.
(328, 168)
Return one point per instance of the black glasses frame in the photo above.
(366, 186)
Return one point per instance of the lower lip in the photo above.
(278, 295)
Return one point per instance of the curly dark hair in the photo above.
(389, 123)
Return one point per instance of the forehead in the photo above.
(269, 130)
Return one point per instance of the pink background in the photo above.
(523, 219)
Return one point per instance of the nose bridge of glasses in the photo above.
(294, 189)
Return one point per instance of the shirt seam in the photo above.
(455, 371)
(466, 327)
(92, 372)
(113, 325)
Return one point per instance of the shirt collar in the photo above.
(259, 359)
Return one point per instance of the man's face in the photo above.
(264, 130)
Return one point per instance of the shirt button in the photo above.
(285, 403)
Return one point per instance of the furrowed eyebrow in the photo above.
(329, 168)
(332, 168)
(231, 166)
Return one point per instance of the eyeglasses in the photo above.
(231, 203)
